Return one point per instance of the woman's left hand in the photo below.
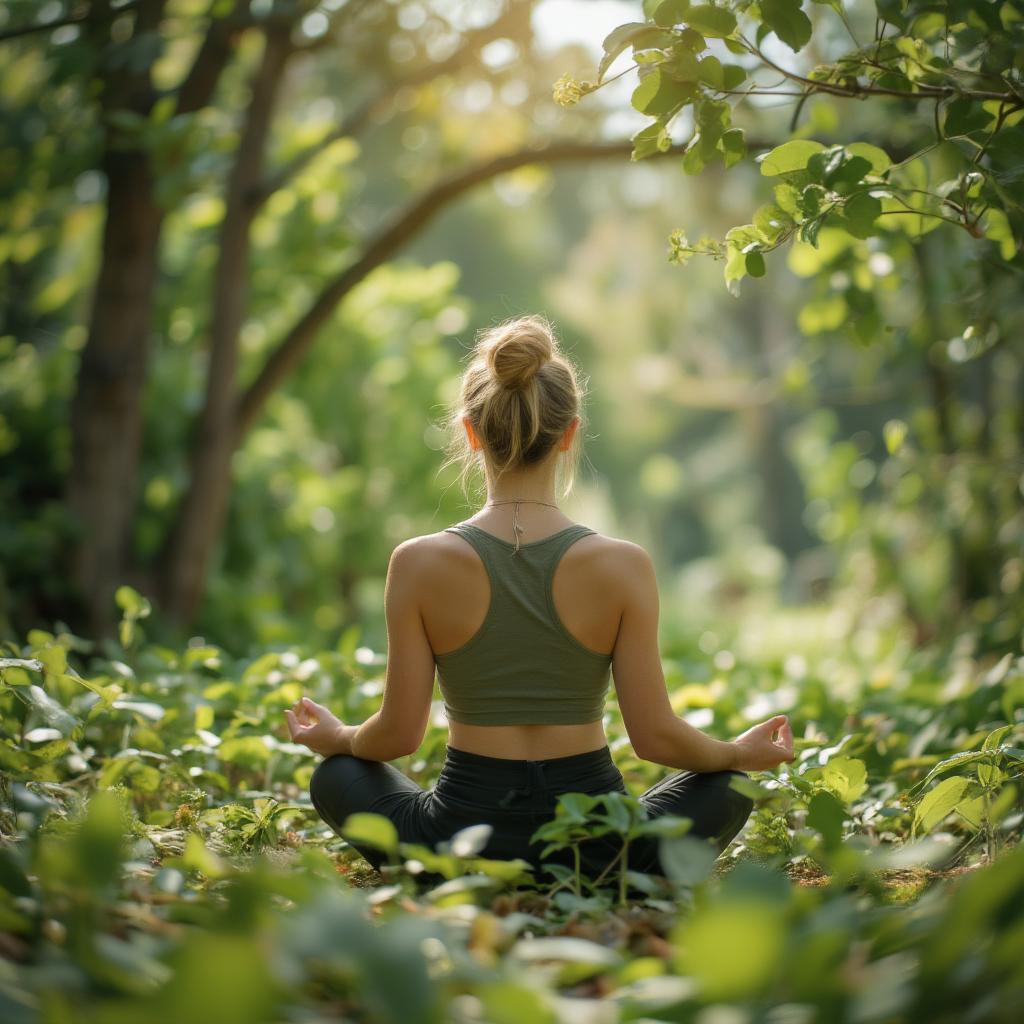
(315, 726)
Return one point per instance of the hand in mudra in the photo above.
(316, 727)
(758, 751)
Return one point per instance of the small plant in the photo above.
(579, 817)
(979, 797)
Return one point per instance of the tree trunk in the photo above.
(106, 413)
(186, 556)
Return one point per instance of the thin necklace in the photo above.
(516, 528)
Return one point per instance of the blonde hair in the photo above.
(520, 392)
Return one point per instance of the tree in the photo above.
(165, 132)
(960, 62)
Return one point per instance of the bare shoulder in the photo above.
(623, 555)
(426, 552)
(613, 564)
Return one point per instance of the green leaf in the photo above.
(683, 65)
(687, 860)
(755, 264)
(787, 21)
(735, 268)
(972, 810)
(733, 76)
(132, 603)
(693, 158)
(790, 156)
(964, 116)
(659, 93)
(733, 146)
(956, 761)
(650, 140)
(469, 841)
(850, 172)
(733, 946)
(995, 737)
(54, 659)
(939, 802)
(710, 72)
(894, 433)
(748, 787)
(196, 857)
(846, 777)
(826, 814)
(997, 229)
(772, 222)
(51, 712)
(715, 22)
(860, 212)
(878, 158)
(617, 40)
(373, 829)
(29, 664)
(248, 751)
(670, 12)
(575, 806)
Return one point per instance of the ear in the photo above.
(570, 432)
(474, 441)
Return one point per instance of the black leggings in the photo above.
(516, 797)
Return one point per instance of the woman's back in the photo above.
(524, 623)
(564, 647)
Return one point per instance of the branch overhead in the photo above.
(405, 225)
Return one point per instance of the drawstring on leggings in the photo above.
(535, 780)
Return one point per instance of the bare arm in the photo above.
(397, 727)
(654, 729)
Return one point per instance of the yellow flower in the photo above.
(567, 90)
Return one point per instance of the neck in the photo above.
(532, 486)
(549, 499)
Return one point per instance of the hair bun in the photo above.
(518, 349)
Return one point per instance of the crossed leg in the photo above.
(718, 812)
(343, 784)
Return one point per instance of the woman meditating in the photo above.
(523, 614)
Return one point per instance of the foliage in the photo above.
(960, 61)
(160, 858)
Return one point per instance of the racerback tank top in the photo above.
(522, 666)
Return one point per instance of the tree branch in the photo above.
(198, 85)
(86, 13)
(378, 249)
(859, 91)
(356, 121)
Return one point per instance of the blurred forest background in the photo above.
(245, 247)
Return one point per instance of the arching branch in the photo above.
(381, 247)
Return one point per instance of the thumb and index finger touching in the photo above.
(785, 731)
(779, 724)
(295, 727)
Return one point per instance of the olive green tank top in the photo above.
(522, 666)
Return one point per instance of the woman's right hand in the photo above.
(756, 751)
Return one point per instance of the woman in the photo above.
(523, 614)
